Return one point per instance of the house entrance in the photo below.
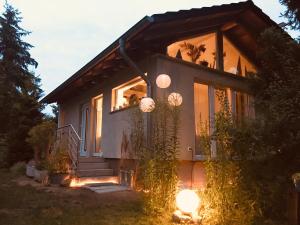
(84, 128)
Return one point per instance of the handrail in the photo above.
(70, 125)
(73, 143)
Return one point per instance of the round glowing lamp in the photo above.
(147, 104)
(163, 81)
(175, 99)
(187, 201)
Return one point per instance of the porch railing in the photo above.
(68, 137)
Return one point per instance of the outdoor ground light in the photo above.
(147, 104)
(187, 201)
(175, 99)
(163, 81)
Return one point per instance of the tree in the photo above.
(277, 102)
(55, 111)
(292, 13)
(19, 87)
(277, 94)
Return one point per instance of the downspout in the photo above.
(133, 65)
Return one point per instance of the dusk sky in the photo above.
(67, 34)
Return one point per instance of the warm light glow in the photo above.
(175, 99)
(187, 201)
(147, 104)
(128, 94)
(78, 182)
(163, 81)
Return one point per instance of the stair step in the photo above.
(90, 159)
(93, 165)
(81, 181)
(95, 172)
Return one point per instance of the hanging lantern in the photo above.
(163, 81)
(147, 104)
(175, 99)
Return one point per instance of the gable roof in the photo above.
(241, 21)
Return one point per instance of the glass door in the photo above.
(98, 127)
(84, 129)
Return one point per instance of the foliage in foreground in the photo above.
(250, 179)
(277, 102)
(157, 160)
(229, 196)
(41, 138)
(19, 88)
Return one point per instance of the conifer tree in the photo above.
(19, 87)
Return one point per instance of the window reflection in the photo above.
(199, 50)
(128, 94)
(201, 106)
(234, 61)
(244, 106)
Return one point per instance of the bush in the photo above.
(157, 160)
(3, 152)
(59, 161)
(18, 168)
(231, 195)
(41, 138)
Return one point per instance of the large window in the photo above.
(199, 50)
(128, 94)
(207, 102)
(234, 61)
(222, 93)
(201, 106)
(243, 106)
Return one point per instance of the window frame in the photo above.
(114, 90)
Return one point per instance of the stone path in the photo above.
(106, 188)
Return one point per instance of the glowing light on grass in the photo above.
(187, 201)
(79, 182)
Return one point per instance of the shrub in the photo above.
(157, 160)
(41, 138)
(231, 195)
(59, 161)
(18, 168)
(3, 152)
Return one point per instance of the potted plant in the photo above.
(30, 168)
(193, 51)
(204, 63)
(41, 173)
(296, 180)
(59, 166)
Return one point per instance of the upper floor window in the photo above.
(128, 94)
(234, 61)
(199, 50)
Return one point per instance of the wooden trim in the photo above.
(219, 50)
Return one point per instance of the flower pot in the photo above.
(41, 176)
(30, 170)
(59, 178)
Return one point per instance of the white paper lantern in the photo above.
(147, 104)
(175, 99)
(163, 81)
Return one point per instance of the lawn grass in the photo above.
(39, 206)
